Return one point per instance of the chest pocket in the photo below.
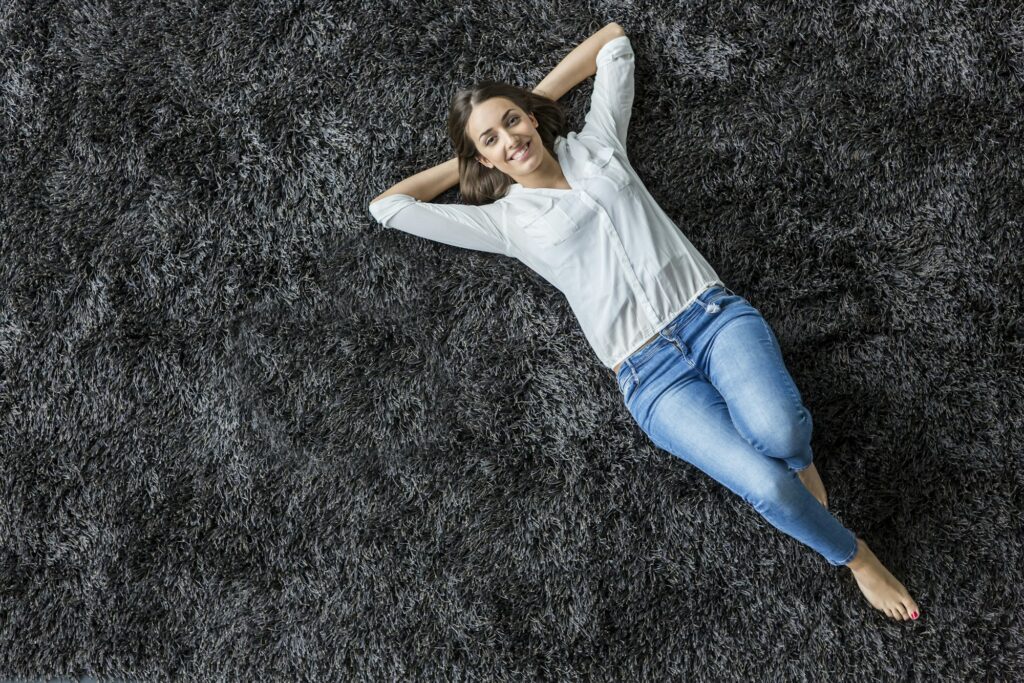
(604, 164)
(568, 218)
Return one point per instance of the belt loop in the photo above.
(713, 307)
(627, 370)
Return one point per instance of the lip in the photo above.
(525, 156)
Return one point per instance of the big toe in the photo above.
(913, 611)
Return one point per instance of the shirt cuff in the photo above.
(383, 209)
(616, 47)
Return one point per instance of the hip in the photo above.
(706, 297)
(649, 340)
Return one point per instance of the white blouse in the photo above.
(625, 268)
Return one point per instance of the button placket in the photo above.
(679, 344)
(620, 252)
(684, 351)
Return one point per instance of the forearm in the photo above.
(428, 184)
(578, 65)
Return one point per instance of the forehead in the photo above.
(486, 114)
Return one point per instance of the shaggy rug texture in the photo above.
(249, 434)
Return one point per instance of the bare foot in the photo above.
(814, 484)
(881, 588)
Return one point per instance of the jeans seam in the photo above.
(634, 378)
(629, 380)
(797, 401)
(679, 345)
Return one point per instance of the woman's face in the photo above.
(499, 129)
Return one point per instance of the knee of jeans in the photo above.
(786, 439)
(771, 493)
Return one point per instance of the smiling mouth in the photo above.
(522, 152)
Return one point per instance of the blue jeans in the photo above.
(713, 389)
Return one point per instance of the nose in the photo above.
(511, 144)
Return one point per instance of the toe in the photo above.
(901, 610)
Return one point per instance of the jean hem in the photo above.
(856, 547)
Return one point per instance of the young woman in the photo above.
(699, 368)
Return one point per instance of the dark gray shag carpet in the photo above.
(249, 434)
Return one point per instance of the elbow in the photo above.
(383, 195)
(615, 29)
(390, 193)
(383, 212)
(375, 209)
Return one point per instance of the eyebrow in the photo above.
(490, 129)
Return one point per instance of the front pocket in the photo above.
(605, 164)
(565, 219)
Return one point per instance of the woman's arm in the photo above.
(427, 184)
(578, 65)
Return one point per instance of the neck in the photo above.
(548, 174)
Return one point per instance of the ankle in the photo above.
(860, 560)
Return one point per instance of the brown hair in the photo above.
(480, 184)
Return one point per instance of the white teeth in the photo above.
(519, 154)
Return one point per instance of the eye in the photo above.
(488, 140)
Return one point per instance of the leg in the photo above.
(742, 359)
(734, 350)
(684, 414)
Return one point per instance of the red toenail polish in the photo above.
(913, 614)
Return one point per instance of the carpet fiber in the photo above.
(249, 434)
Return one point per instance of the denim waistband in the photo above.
(705, 301)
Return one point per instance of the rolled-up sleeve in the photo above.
(612, 101)
(459, 225)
